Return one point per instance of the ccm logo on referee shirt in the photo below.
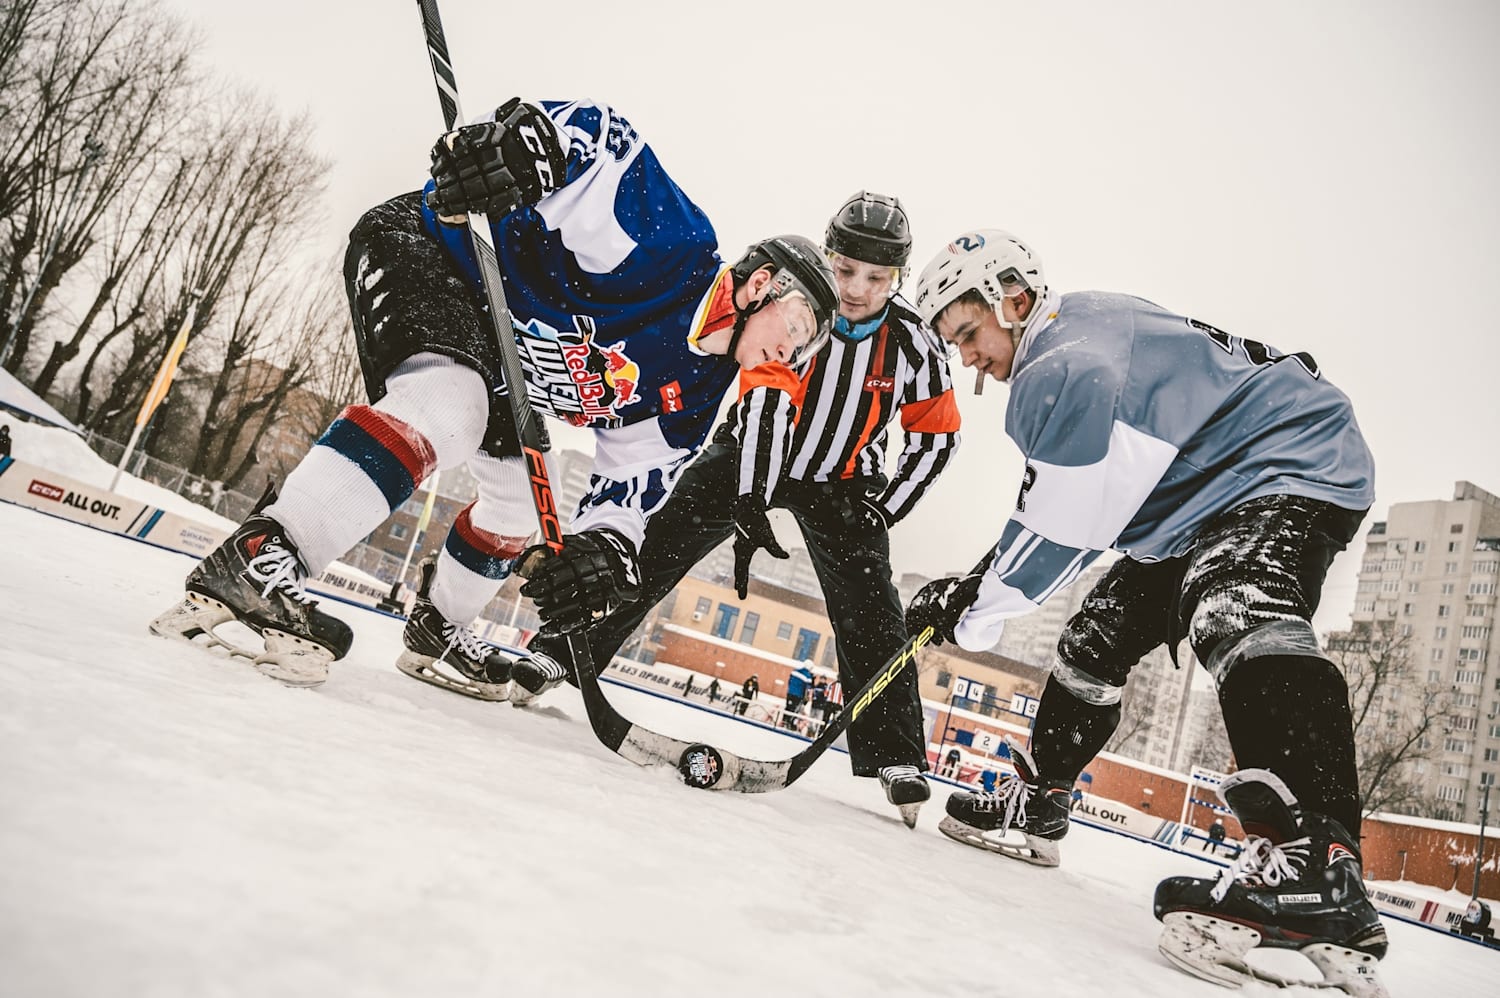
(879, 383)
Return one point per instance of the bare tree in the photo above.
(249, 212)
(1398, 717)
(101, 87)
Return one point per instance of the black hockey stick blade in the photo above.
(708, 768)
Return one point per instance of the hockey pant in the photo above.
(1244, 598)
(854, 571)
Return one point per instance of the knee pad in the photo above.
(443, 400)
(1293, 638)
(1086, 687)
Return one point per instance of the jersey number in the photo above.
(1027, 481)
(1257, 353)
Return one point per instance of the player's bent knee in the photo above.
(1085, 686)
(1292, 638)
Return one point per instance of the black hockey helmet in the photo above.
(871, 228)
(797, 265)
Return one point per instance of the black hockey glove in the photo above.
(496, 166)
(941, 603)
(593, 575)
(863, 514)
(752, 531)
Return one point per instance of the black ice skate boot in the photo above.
(1037, 809)
(1297, 885)
(906, 789)
(255, 577)
(449, 655)
(541, 669)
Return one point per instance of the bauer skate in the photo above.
(1297, 886)
(449, 655)
(1023, 818)
(906, 789)
(255, 577)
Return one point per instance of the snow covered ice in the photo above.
(174, 823)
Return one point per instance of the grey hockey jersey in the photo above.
(1138, 426)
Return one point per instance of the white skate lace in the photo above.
(277, 568)
(466, 641)
(890, 774)
(1011, 798)
(1264, 861)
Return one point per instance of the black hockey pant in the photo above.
(422, 303)
(1244, 598)
(853, 568)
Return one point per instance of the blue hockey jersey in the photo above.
(1139, 426)
(607, 279)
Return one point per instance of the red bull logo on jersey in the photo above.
(605, 377)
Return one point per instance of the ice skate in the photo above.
(449, 655)
(1296, 886)
(534, 675)
(1023, 818)
(255, 577)
(906, 789)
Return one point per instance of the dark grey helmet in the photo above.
(797, 265)
(871, 228)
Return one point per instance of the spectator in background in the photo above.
(687, 687)
(713, 691)
(748, 694)
(796, 692)
(951, 761)
(5, 440)
(1215, 837)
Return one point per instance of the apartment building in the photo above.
(1431, 570)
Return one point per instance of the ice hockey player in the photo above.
(816, 447)
(1228, 474)
(627, 322)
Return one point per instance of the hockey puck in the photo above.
(700, 766)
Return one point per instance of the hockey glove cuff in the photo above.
(593, 575)
(497, 166)
(941, 604)
(752, 531)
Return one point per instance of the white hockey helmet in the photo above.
(991, 261)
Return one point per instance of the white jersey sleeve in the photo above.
(634, 472)
(1087, 475)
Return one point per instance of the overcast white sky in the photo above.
(1319, 176)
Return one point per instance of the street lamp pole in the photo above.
(1484, 813)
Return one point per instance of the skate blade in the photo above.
(291, 660)
(1215, 949)
(1349, 970)
(420, 667)
(1208, 948)
(1037, 852)
(909, 813)
(285, 658)
(192, 621)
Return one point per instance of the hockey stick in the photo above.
(530, 431)
(708, 768)
(701, 765)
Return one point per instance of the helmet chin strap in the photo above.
(741, 317)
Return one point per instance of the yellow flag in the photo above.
(168, 369)
(426, 516)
